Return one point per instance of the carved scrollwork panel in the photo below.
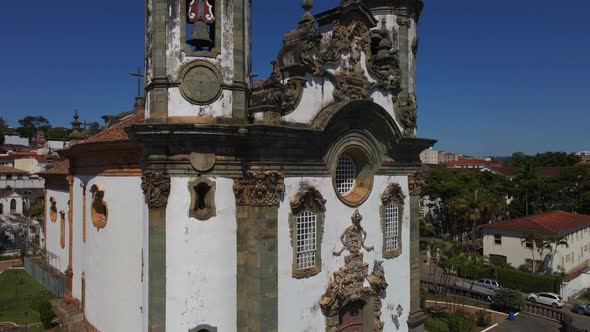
(416, 183)
(156, 187)
(259, 189)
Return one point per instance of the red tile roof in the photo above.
(583, 163)
(11, 170)
(61, 166)
(549, 172)
(552, 223)
(472, 162)
(116, 132)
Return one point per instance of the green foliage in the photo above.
(45, 313)
(19, 291)
(508, 299)
(35, 210)
(57, 133)
(586, 294)
(482, 318)
(515, 279)
(460, 321)
(546, 159)
(30, 124)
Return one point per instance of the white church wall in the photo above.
(178, 106)
(201, 260)
(317, 94)
(60, 260)
(299, 298)
(112, 259)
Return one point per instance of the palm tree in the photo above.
(535, 240)
(552, 243)
(472, 208)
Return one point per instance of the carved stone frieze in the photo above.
(416, 183)
(156, 187)
(384, 60)
(408, 114)
(309, 198)
(259, 189)
(403, 21)
(347, 286)
(393, 194)
(274, 95)
(350, 88)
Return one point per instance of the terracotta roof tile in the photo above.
(554, 223)
(11, 170)
(61, 166)
(116, 132)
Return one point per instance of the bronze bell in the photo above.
(200, 37)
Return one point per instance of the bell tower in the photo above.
(197, 60)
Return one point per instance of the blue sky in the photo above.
(494, 77)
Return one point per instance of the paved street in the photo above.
(527, 323)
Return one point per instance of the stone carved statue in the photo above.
(353, 238)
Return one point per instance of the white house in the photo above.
(503, 242)
(11, 203)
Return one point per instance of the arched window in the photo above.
(306, 239)
(13, 206)
(391, 220)
(391, 236)
(306, 223)
(345, 174)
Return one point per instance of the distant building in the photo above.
(19, 179)
(14, 139)
(502, 242)
(429, 156)
(585, 155)
(11, 203)
(445, 157)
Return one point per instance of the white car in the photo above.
(488, 283)
(551, 299)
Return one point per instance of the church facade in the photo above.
(284, 204)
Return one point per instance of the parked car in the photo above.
(582, 308)
(551, 299)
(488, 283)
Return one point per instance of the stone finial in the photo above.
(307, 5)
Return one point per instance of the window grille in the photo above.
(345, 174)
(306, 239)
(391, 227)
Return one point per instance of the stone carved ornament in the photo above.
(156, 187)
(416, 183)
(408, 114)
(309, 198)
(353, 238)
(347, 284)
(259, 189)
(393, 194)
(273, 95)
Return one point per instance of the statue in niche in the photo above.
(353, 238)
(99, 209)
(202, 192)
(201, 14)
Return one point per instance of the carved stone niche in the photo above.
(99, 211)
(307, 205)
(202, 192)
(53, 209)
(392, 198)
(203, 328)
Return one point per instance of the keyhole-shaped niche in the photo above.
(202, 192)
(53, 209)
(99, 211)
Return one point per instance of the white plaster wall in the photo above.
(112, 257)
(299, 308)
(53, 229)
(317, 94)
(178, 106)
(22, 182)
(16, 140)
(201, 261)
(6, 204)
(517, 253)
(573, 287)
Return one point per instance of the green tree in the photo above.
(552, 243)
(3, 129)
(57, 133)
(29, 125)
(535, 240)
(508, 299)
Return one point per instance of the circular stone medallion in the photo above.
(201, 83)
